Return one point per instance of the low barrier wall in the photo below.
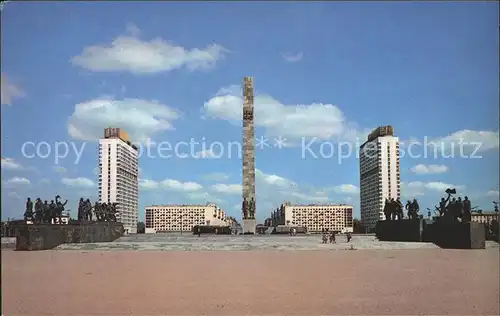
(49, 236)
(444, 233)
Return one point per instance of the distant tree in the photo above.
(357, 227)
(141, 228)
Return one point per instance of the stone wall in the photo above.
(443, 233)
(48, 236)
(399, 230)
(455, 235)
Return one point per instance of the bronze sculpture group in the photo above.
(393, 209)
(104, 212)
(455, 208)
(44, 212)
(248, 208)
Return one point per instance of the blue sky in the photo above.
(324, 73)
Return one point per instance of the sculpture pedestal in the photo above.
(249, 226)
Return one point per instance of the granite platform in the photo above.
(49, 236)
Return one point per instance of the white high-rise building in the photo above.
(379, 174)
(118, 176)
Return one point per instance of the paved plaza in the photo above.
(188, 242)
(364, 282)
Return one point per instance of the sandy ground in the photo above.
(369, 282)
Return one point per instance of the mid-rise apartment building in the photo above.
(118, 176)
(314, 217)
(179, 218)
(379, 174)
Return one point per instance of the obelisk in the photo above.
(248, 170)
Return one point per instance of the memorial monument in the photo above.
(50, 225)
(453, 227)
(248, 170)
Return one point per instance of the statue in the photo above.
(399, 209)
(59, 209)
(392, 208)
(387, 210)
(415, 208)
(46, 212)
(443, 206)
(251, 209)
(495, 207)
(88, 210)
(105, 211)
(114, 211)
(460, 207)
(244, 208)
(28, 214)
(448, 210)
(97, 211)
(450, 191)
(52, 210)
(80, 209)
(408, 208)
(38, 211)
(467, 210)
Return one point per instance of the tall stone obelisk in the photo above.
(248, 172)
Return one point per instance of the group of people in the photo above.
(393, 209)
(455, 208)
(331, 236)
(44, 211)
(102, 211)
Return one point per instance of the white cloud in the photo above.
(272, 190)
(418, 188)
(79, 182)
(324, 121)
(147, 184)
(273, 179)
(235, 189)
(59, 169)
(441, 186)
(493, 194)
(181, 186)
(203, 197)
(293, 58)
(346, 189)
(169, 184)
(469, 140)
(312, 198)
(428, 169)
(11, 164)
(131, 54)
(215, 176)
(141, 119)
(8, 91)
(205, 154)
(16, 181)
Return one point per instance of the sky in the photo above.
(325, 74)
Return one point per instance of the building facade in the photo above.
(379, 174)
(118, 176)
(314, 217)
(180, 218)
